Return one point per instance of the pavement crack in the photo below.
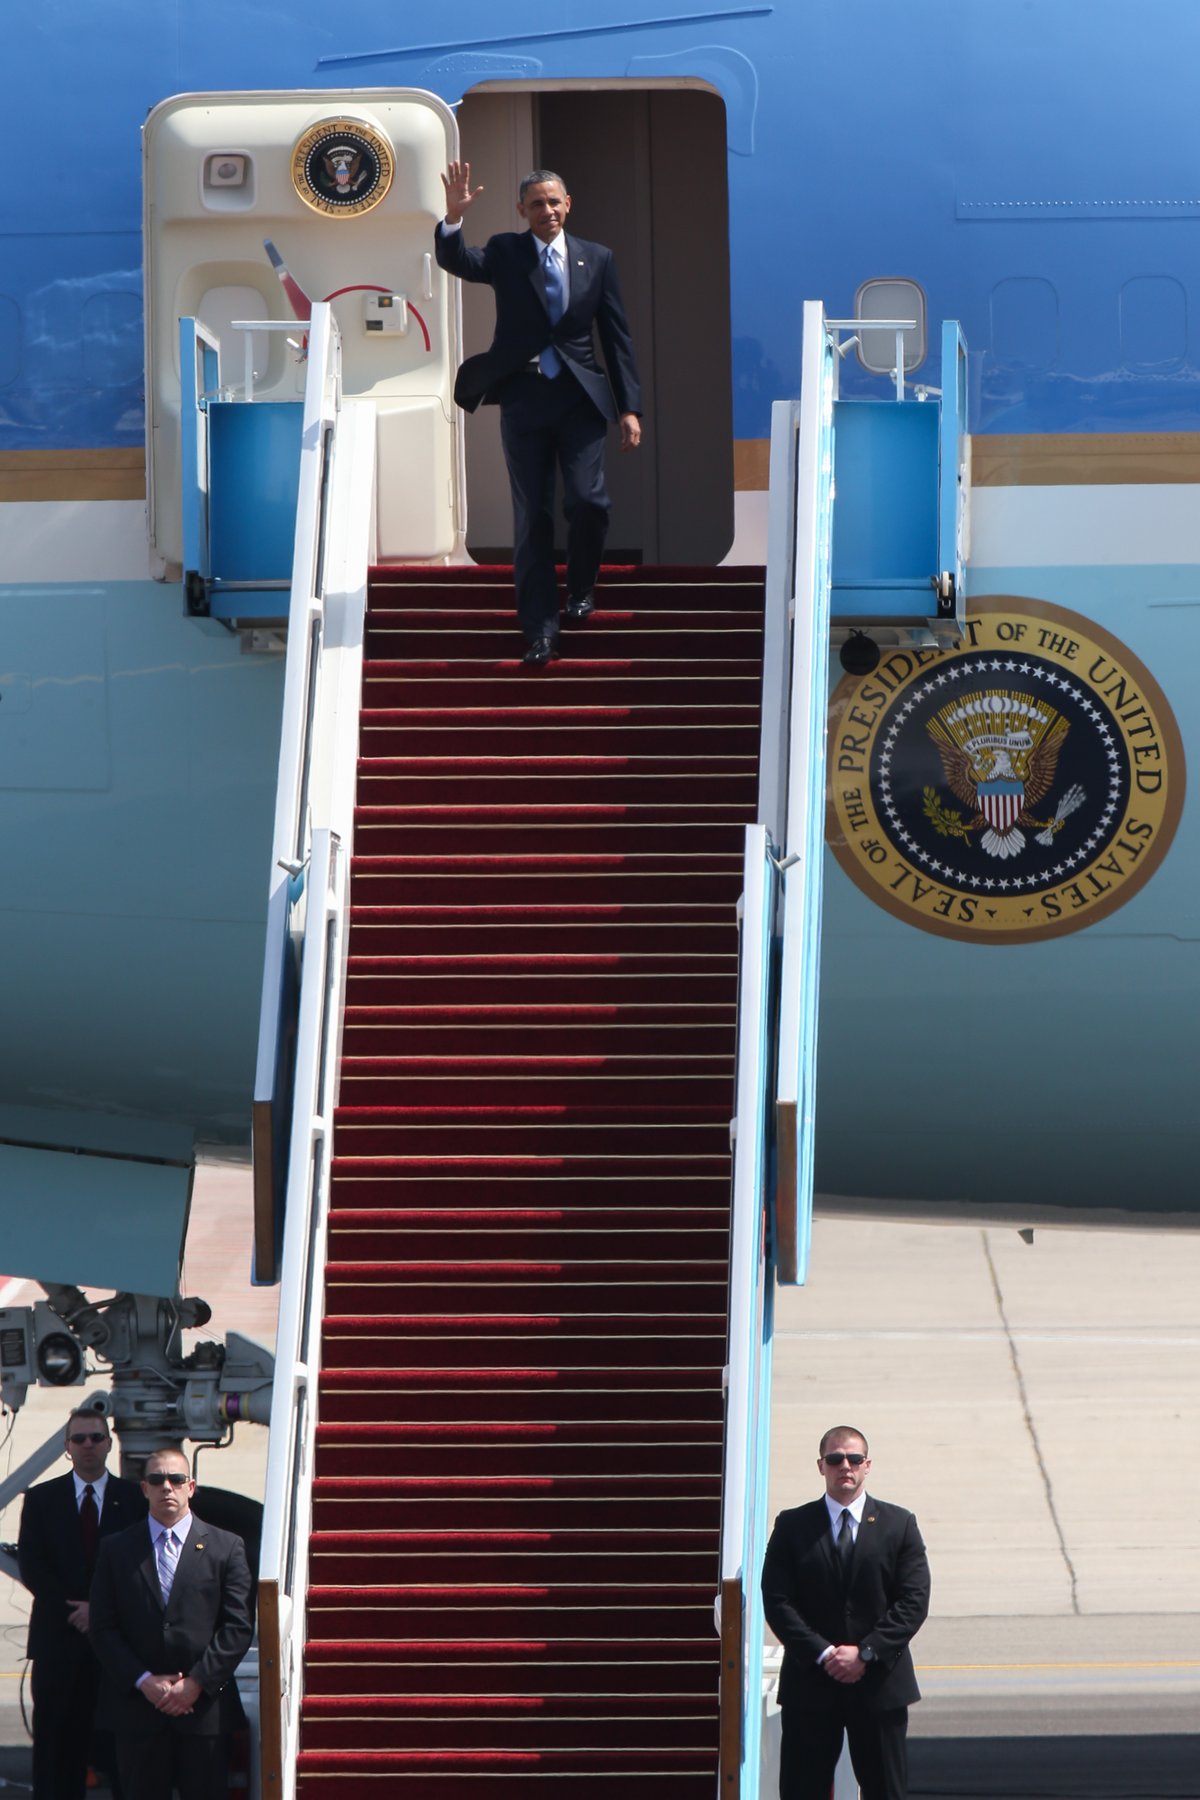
(1030, 1426)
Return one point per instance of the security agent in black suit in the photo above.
(168, 1692)
(845, 1607)
(555, 399)
(60, 1535)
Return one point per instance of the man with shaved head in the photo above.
(845, 1587)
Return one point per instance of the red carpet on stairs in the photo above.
(517, 1491)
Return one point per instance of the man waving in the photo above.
(553, 291)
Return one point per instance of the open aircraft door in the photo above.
(257, 205)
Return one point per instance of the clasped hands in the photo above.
(171, 1694)
(844, 1663)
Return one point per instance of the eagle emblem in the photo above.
(1000, 751)
(344, 168)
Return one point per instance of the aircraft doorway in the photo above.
(621, 152)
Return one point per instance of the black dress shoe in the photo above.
(583, 608)
(541, 651)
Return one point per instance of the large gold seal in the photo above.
(1015, 789)
(342, 167)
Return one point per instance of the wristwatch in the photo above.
(866, 1652)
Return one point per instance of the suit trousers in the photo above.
(812, 1744)
(64, 1692)
(544, 422)
(196, 1764)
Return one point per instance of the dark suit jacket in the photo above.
(511, 265)
(50, 1554)
(204, 1630)
(883, 1605)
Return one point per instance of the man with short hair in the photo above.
(170, 1622)
(555, 400)
(845, 1587)
(62, 1524)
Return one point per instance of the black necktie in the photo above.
(89, 1525)
(845, 1541)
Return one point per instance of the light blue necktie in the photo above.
(167, 1552)
(550, 361)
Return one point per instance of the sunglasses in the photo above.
(161, 1476)
(835, 1458)
(88, 1437)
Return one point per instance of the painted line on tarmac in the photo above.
(991, 1668)
(987, 1334)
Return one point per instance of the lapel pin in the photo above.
(200, 1546)
(870, 1518)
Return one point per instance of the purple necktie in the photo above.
(556, 302)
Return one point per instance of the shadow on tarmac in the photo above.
(1162, 1766)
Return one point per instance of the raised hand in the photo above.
(459, 194)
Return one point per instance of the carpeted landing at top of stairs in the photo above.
(517, 1492)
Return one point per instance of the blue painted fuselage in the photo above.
(998, 155)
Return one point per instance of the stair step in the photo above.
(668, 586)
(676, 1774)
(620, 1666)
(614, 930)
(672, 1395)
(425, 1183)
(522, 1457)
(724, 741)
(536, 1341)
(457, 1133)
(476, 1274)
(584, 1030)
(513, 981)
(571, 1301)
(495, 1610)
(598, 830)
(497, 1722)
(510, 1559)
(582, 1234)
(463, 680)
(585, 1086)
(515, 1730)
(722, 636)
(668, 1554)
(373, 1510)
(477, 886)
(584, 780)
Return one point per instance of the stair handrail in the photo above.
(290, 841)
(800, 532)
(314, 826)
(287, 1512)
(748, 1368)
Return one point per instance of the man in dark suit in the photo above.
(845, 1587)
(62, 1524)
(555, 400)
(170, 1622)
